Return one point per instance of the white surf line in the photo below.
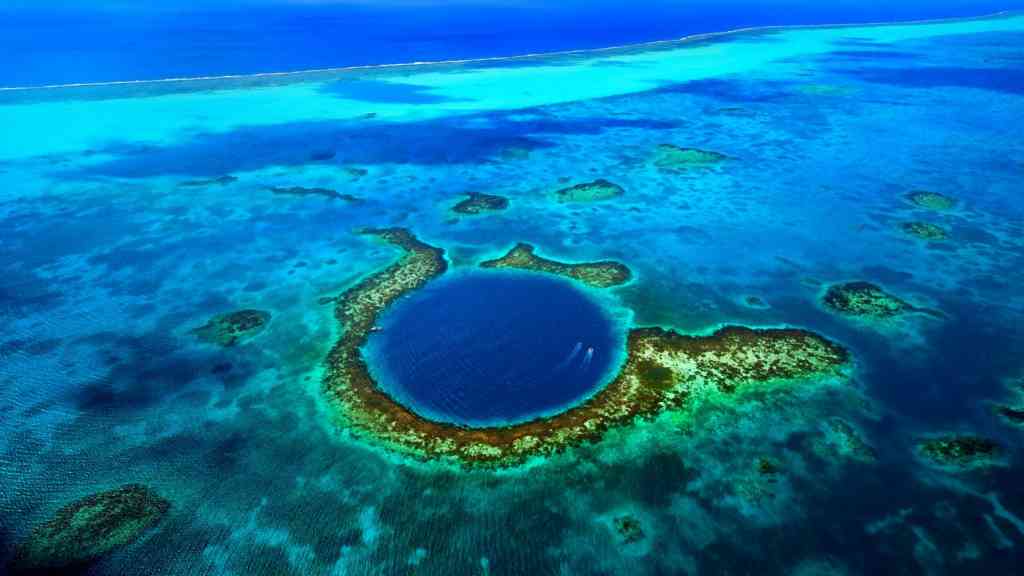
(486, 59)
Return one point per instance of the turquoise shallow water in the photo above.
(121, 235)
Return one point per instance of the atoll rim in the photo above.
(662, 370)
(738, 303)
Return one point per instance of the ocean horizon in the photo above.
(503, 288)
(109, 41)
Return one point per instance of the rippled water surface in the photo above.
(752, 173)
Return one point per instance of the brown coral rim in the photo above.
(601, 274)
(662, 370)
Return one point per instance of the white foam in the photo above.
(492, 59)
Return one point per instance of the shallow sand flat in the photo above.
(132, 216)
(220, 105)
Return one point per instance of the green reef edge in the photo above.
(662, 370)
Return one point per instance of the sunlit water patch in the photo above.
(188, 293)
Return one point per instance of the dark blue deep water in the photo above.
(132, 216)
(494, 347)
(47, 42)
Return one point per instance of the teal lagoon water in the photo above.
(133, 214)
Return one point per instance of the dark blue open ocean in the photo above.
(43, 42)
(762, 309)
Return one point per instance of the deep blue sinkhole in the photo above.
(493, 348)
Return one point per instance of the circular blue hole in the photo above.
(494, 348)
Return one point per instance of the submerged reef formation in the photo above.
(840, 439)
(959, 451)
(819, 567)
(864, 299)
(233, 327)
(322, 155)
(220, 181)
(85, 530)
(628, 528)
(303, 191)
(662, 370)
(354, 172)
(595, 191)
(755, 302)
(767, 467)
(931, 200)
(603, 274)
(515, 153)
(1012, 414)
(674, 158)
(478, 202)
(761, 482)
(925, 231)
(826, 90)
